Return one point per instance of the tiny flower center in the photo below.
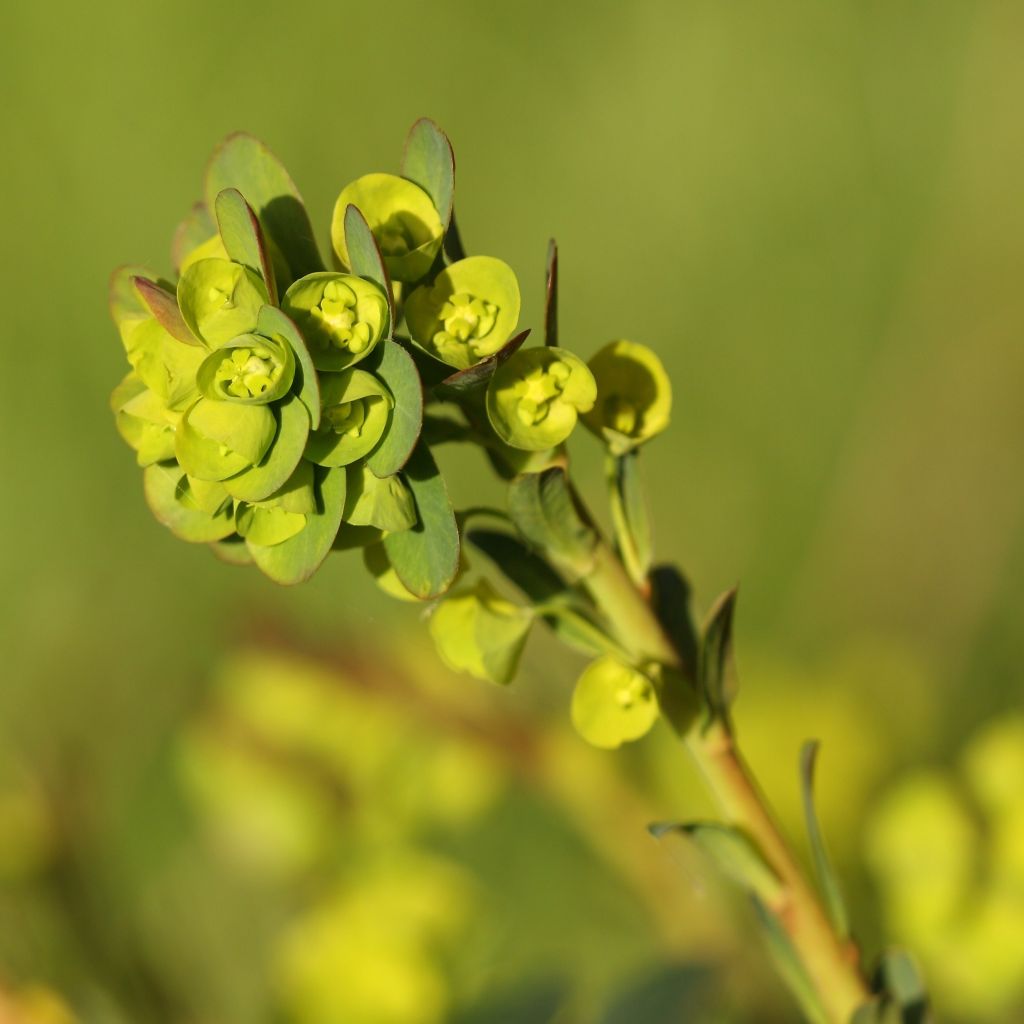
(634, 692)
(467, 322)
(247, 372)
(347, 419)
(536, 392)
(338, 313)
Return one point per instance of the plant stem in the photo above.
(829, 962)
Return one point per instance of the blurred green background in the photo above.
(812, 211)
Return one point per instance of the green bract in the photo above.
(613, 703)
(356, 410)
(143, 420)
(220, 300)
(534, 398)
(467, 313)
(341, 316)
(481, 633)
(404, 221)
(634, 396)
(215, 440)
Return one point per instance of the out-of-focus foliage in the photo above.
(947, 849)
(812, 212)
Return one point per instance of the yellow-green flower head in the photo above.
(341, 316)
(481, 633)
(467, 313)
(219, 300)
(634, 396)
(534, 398)
(356, 413)
(403, 220)
(613, 703)
(250, 369)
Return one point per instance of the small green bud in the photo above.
(467, 313)
(341, 316)
(481, 633)
(634, 396)
(534, 398)
(356, 409)
(613, 703)
(249, 370)
(219, 300)
(402, 217)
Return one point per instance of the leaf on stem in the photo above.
(243, 239)
(670, 599)
(551, 296)
(629, 515)
(822, 864)
(717, 670)
(428, 161)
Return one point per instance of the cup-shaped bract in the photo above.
(467, 312)
(281, 516)
(403, 219)
(613, 703)
(536, 395)
(479, 632)
(356, 410)
(634, 396)
(215, 440)
(143, 420)
(341, 316)
(219, 300)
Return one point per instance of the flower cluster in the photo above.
(282, 408)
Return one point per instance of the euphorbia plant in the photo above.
(282, 408)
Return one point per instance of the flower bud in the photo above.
(342, 317)
(467, 313)
(356, 410)
(534, 398)
(481, 633)
(634, 396)
(219, 300)
(613, 703)
(402, 217)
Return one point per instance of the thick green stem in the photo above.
(829, 962)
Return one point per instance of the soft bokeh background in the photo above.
(814, 213)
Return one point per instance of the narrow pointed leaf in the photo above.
(426, 558)
(629, 515)
(164, 307)
(243, 237)
(545, 512)
(245, 163)
(430, 163)
(551, 297)
(475, 377)
(717, 671)
(827, 879)
(670, 598)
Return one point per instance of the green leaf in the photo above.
(297, 558)
(232, 551)
(196, 229)
(551, 297)
(790, 966)
(395, 367)
(613, 703)
(356, 412)
(383, 503)
(717, 668)
(479, 632)
(169, 498)
(272, 323)
(735, 853)
(526, 569)
(243, 237)
(124, 302)
(220, 299)
(429, 162)
(215, 440)
(244, 163)
(671, 601)
(903, 988)
(163, 304)
(259, 482)
(426, 558)
(166, 366)
(629, 515)
(544, 510)
(822, 864)
(364, 256)
(479, 374)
